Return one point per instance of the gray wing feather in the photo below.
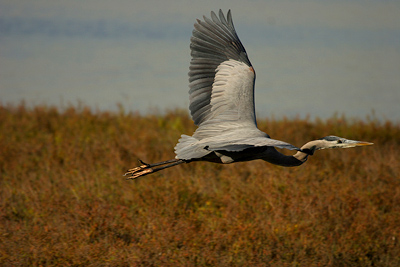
(240, 145)
(213, 42)
(240, 139)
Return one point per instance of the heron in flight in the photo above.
(221, 82)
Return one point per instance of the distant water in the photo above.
(300, 71)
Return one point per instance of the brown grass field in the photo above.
(64, 202)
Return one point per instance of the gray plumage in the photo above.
(221, 94)
(212, 43)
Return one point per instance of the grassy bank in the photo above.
(63, 200)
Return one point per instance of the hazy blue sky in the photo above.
(311, 57)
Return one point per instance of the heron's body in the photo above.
(267, 153)
(221, 81)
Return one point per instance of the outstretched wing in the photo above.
(221, 76)
(221, 93)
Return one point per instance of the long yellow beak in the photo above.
(361, 143)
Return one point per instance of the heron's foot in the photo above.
(138, 171)
(133, 170)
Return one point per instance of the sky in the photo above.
(312, 58)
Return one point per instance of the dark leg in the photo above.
(148, 168)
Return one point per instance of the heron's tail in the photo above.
(188, 148)
(146, 168)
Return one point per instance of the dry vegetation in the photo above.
(63, 200)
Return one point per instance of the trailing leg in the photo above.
(149, 168)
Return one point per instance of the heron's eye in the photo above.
(339, 141)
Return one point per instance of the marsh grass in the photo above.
(63, 200)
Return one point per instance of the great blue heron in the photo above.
(222, 106)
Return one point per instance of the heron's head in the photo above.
(331, 141)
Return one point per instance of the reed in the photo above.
(63, 200)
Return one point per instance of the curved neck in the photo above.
(275, 157)
(309, 149)
(301, 156)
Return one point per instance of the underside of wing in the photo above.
(221, 76)
(240, 140)
(240, 145)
